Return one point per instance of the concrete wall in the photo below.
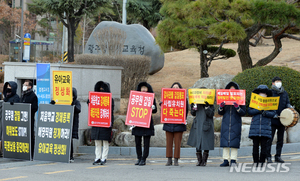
(84, 78)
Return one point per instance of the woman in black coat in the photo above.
(260, 128)
(231, 128)
(102, 136)
(10, 92)
(146, 133)
(174, 133)
(77, 110)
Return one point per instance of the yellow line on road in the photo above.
(62, 171)
(9, 168)
(14, 178)
(45, 164)
(95, 167)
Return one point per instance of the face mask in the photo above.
(263, 95)
(278, 85)
(8, 90)
(24, 88)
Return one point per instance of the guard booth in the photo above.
(40, 51)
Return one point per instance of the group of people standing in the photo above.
(262, 129)
(29, 97)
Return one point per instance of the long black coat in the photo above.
(231, 127)
(99, 133)
(77, 110)
(140, 131)
(30, 98)
(202, 131)
(13, 97)
(284, 102)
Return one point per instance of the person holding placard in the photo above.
(202, 131)
(231, 128)
(145, 133)
(77, 110)
(101, 135)
(28, 96)
(284, 102)
(174, 133)
(260, 128)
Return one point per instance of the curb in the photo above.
(184, 152)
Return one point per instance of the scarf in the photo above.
(279, 91)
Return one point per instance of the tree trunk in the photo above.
(244, 54)
(276, 50)
(203, 62)
(71, 34)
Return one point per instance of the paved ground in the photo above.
(123, 168)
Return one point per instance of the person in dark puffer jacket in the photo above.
(101, 135)
(145, 133)
(231, 128)
(174, 133)
(260, 128)
(284, 102)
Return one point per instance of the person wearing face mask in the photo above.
(145, 133)
(284, 102)
(77, 110)
(9, 92)
(260, 128)
(101, 135)
(202, 131)
(174, 133)
(231, 128)
(29, 97)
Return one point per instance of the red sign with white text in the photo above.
(173, 107)
(230, 96)
(139, 109)
(99, 109)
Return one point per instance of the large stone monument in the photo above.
(139, 41)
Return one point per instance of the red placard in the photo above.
(173, 107)
(99, 109)
(230, 96)
(139, 109)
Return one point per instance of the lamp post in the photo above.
(22, 34)
(124, 13)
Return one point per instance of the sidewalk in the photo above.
(185, 152)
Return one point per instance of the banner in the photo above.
(43, 83)
(139, 109)
(62, 87)
(173, 107)
(100, 109)
(26, 53)
(199, 96)
(54, 133)
(16, 131)
(230, 96)
(263, 103)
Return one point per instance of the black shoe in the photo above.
(269, 160)
(232, 163)
(225, 164)
(138, 162)
(278, 159)
(103, 162)
(142, 163)
(97, 162)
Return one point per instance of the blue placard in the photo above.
(43, 83)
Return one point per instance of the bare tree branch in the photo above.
(215, 53)
(285, 35)
(215, 17)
